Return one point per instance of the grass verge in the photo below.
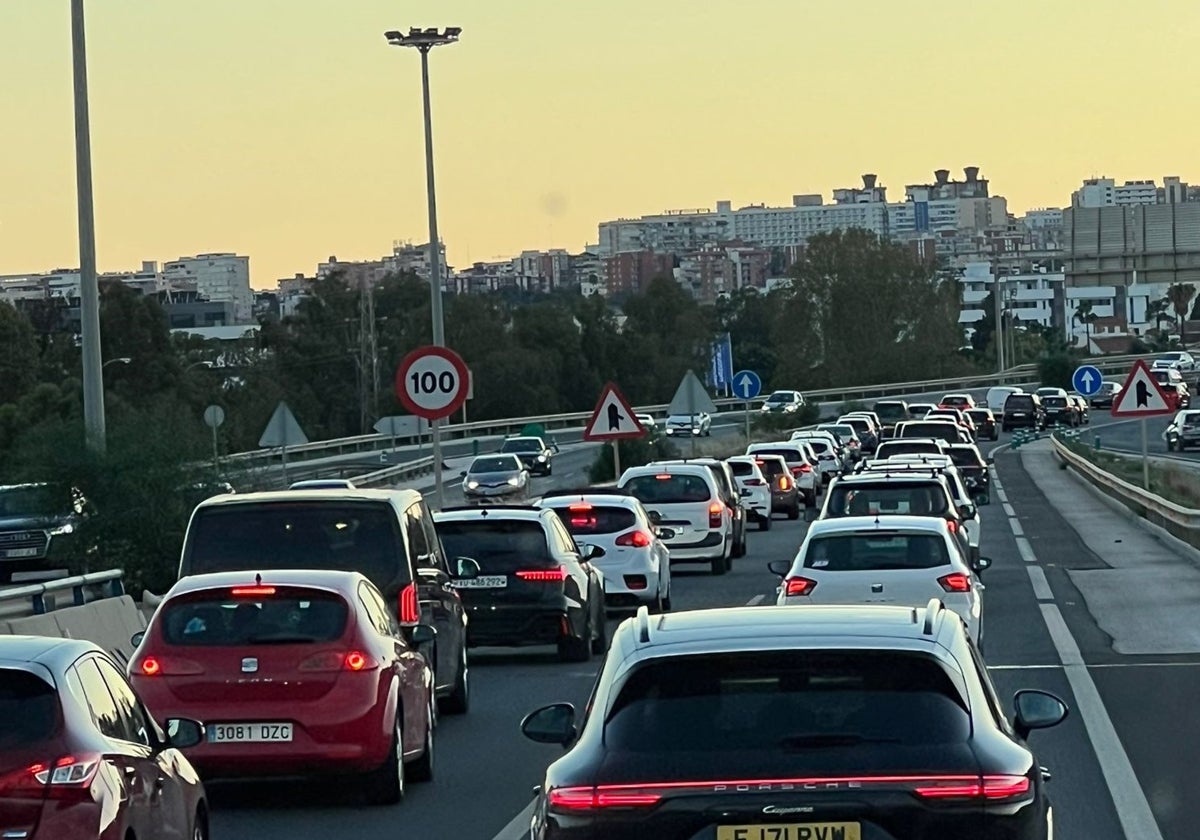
(1180, 485)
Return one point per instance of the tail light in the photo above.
(579, 799)
(755, 482)
(68, 778)
(785, 483)
(993, 788)
(410, 606)
(335, 660)
(802, 469)
(798, 586)
(955, 582)
(953, 525)
(634, 539)
(252, 591)
(579, 506)
(716, 515)
(555, 575)
(168, 666)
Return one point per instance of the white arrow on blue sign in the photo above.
(746, 384)
(1086, 380)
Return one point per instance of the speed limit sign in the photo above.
(432, 382)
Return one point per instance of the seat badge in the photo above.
(249, 665)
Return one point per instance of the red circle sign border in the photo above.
(464, 381)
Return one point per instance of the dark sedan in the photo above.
(1105, 396)
(534, 452)
(986, 427)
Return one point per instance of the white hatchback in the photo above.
(685, 499)
(890, 560)
(801, 460)
(754, 487)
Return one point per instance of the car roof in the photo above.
(929, 473)
(49, 651)
(669, 467)
(597, 499)
(398, 496)
(329, 579)
(883, 521)
(938, 441)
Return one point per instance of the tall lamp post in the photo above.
(89, 292)
(424, 40)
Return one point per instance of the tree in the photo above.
(18, 354)
(1180, 295)
(1085, 316)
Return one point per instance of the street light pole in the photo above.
(425, 40)
(89, 291)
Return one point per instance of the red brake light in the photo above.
(595, 798)
(580, 506)
(634, 539)
(801, 469)
(955, 582)
(557, 575)
(151, 667)
(355, 661)
(168, 666)
(335, 660)
(715, 514)
(986, 787)
(953, 524)
(67, 778)
(252, 591)
(799, 586)
(410, 607)
(663, 476)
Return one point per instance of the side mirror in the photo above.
(666, 533)
(982, 563)
(591, 552)
(463, 474)
(968, 510)
(465, 568)
(184, 732)
(553, 724)
(1037, 710)
(779, 568)
(655, 516)
(136, 638)
(423, 634)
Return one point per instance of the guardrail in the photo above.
(297, 455)
(1180, 522)
(39, 598)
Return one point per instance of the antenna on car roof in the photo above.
(643, 624)
(932, 611)
(258, 579)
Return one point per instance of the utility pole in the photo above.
(368, 356)
(998, 338)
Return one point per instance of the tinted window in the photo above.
(129, 710)
(1019, 402)
(669, 488)
(897, 447)
(944, 431)
(29, 709)
(219, 618)
(1055, 402)
(917, 499)
(792, 456)
(979, 414)
(417, 543)
(35, 500)
(493, 465)
(780, 397)
(891, 410)
(819, 446)
(876, 551)
(299, 535)
(964, 456)
(771, 466)
(585, 519)
(784, 702)
(859, 426)
(741, 469)
(99, 700)
(522, 445)
(500, 546)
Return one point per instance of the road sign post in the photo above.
(214, 416)
(1087, 380)
(613, 420)
(433, 382)
(690, 398)
(1142, 397)
(747, 384)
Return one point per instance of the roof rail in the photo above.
(643, 624)
(932, 611)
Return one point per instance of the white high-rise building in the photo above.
(217, 277)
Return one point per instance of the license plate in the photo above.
(248, 733)
(483, 582)
(793, 831)
(22, 552)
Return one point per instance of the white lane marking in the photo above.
(1015, 524)
(1008, 510)
(518, 827)
(1024, 667)
(1041, 587)
(1128, 798)
(1026, 550)
(1001, 495)
(755, 601)
(1101, 666)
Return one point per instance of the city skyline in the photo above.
(223, 128)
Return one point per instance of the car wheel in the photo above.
(739, 547)
(794, 511)
(421, 769)
(600, 642)
(576, 648)
(458, 701)
(200, 824)
(764, 524)
(720, 564)
(385, 784)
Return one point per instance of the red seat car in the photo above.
(294, 673)
(80, 758)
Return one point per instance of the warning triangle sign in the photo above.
(282, 429)
(1142, 396)
(613, 418)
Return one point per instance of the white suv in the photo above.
(755, 488)
(801, 460)
(685, 499)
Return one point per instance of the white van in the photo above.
(686, 499)
(996, 396)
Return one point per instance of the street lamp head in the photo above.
(120, 360)
(423, 39)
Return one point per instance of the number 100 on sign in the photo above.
(432, 382)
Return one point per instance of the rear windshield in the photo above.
(771, 466)
(775, 704)
(1019, 402)
(902, 498)
(979, 414)
(1054, 402)
(499, 546)
(891, 410)
(945, 431)
(741, 468)
(955, 401)
(878, 551)
(360, 537)
(966, 457)
(791, 456)
(899, 447)
(818, 446)
(668, 488)
(224, 618)
(584, 519)
(859, 425)
(29, 709)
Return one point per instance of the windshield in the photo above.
(583, 519)
(359, 537)
(891, 410)
(33, 500)
(967, 456)
(668, 488)
(926, 498)
(522, 445)
(495, 465)
(780, 397)
(499, 546)
(1019, 402)
(878, 551)
(222, 618)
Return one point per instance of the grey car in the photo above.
(496, 478)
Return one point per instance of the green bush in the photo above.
(850, 406)
(1055, 370)
(634, 453)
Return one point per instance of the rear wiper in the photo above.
(846, 739)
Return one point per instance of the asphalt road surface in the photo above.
(1124, 754)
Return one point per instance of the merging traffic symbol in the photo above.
(613, 418)
(1142, 396)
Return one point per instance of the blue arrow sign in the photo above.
(746, 385)
(1086, 380)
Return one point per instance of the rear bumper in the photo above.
(711, 546)
(516, 625)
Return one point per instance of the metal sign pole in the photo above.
(616, 445)
(1145, 457)
(747, 422)
(216, 455)
(285, 477)
(692, 419)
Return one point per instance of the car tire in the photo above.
(576, 649)
(200, 824)
(739, 547)
(719, 564)
(385, 784)
(421, 769)
(600, 642)
(794, 511)
(458, 701)
(764, 524)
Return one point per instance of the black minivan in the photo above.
(1023, 411)
(386, 535)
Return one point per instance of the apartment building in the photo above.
(215, 277)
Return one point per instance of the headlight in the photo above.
(542, 458)
(472, 484)
(68, 528)
(790, 409)
(514, 481)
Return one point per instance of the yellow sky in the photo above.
(288, 130)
